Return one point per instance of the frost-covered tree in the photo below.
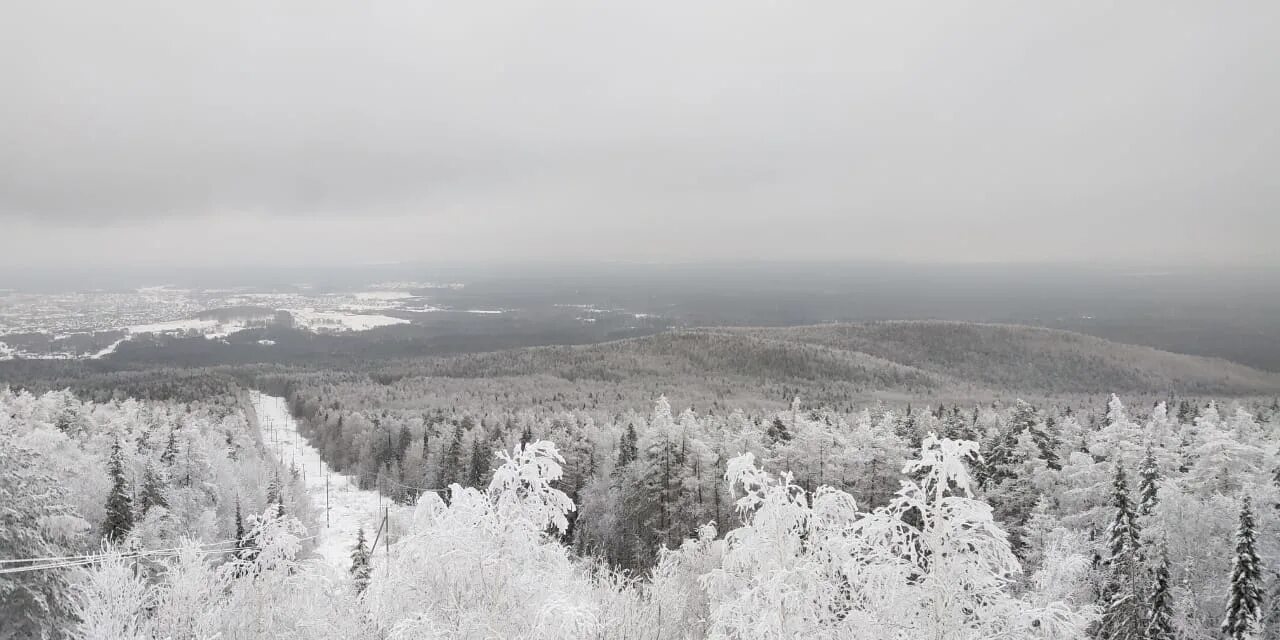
(628, 449)
(119, 519)
(189, 598)
(170, 455)
(1123, 597)
(151, 493)
(36, 521)
(1148, 485)
(484, 565)
(112, 602)
(812, 566)
(1160, 603)
(451, 465)
(361, 570)
(1245, 603)
(478, 470)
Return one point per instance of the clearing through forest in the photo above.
(349, 506)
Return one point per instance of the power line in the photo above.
(104, 555)
(79, 561)
(95, 560)
(127, 556)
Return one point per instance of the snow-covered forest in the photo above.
(153, 519)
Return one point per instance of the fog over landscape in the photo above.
(632, 321)
(143, 132)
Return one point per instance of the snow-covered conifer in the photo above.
(1245, 602)
(361, 571)
(119, 520)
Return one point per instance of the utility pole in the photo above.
(326, 501)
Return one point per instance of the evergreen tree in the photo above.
(361, 571)
(1160, 604)
(451, 465)
(273, 488)
(777, 431)
(480, 457)
(248, 551)
(628, 447)
(119, 503)
(1047, 440)
(242, 541)
(170, 454)
(1245, 602)
(1148, 487)
(1123, 616)
(152, 493)
(403, 442)
(240, 537)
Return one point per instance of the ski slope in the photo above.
(349, 507)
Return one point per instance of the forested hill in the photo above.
(946, 358)
(1022, 358)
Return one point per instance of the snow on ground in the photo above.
(349, 507)
(338, 321)
(108, 350)
(383, 295)
(174, 326)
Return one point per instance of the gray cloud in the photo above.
(659, 130)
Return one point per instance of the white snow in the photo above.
(338, 321)
(349, 507)
(383, 295)
(108, 350)
(174, 326)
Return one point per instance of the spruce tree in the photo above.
(119, 518)
(402, 444)
(479, 469)
(451, 465)
(152, 493)
(1245, 602)
(170, 454)
(273, 488)
(777, 431)
(279, 498)
(1122, 597)
(628, 448)
(1148, 486)
(1047, 440)
(1160, 604)
(240, 537)
(361, 571)
(242, 541)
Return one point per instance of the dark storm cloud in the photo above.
(660, 130)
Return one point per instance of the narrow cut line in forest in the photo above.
(348, 506)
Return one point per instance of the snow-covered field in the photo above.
(337, 321)
(349, 507)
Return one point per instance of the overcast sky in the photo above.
(317, 131)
